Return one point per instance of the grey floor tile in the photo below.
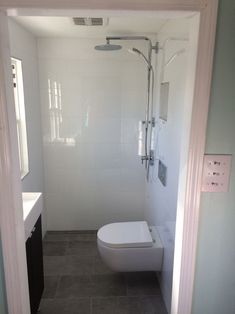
(68, 265)
(105, 305)
(128, 305)
(50, 286)
(79, 265)
(99, 267)
(82, 237)
(82, 248)
(53, 248)
(77, 280)
(56, 237)
(152, 305)
(95, 285)
(79, 306)
(142, 283)
(82, 232)
(110, 285)
(53, 306)
(74, 287)
(54, 265)
(66, 306)
(141, 305)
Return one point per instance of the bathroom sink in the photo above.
(32, 209)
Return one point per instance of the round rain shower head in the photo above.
(108, 47)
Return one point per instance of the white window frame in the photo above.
(18, 87)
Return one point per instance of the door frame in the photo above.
(11, 213)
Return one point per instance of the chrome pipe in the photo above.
(127, 38)
(148, 121)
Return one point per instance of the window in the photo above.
(20, 115)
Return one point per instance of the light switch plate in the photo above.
(216, 173)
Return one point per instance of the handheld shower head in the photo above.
(138, 52)
(135, 50)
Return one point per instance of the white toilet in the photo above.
(130, 246)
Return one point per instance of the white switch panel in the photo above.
(216, 173)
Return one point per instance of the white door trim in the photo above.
(11, 212)
(187, 222)
(11, 225)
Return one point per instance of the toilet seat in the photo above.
(126, 235)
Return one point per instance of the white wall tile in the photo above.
(93, 173)
(161, 201)
(23, 45)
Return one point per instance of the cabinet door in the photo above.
(30, 270)
(35, 266)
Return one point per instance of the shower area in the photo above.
(98, 115)
(147, 155)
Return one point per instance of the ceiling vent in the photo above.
(90, 21)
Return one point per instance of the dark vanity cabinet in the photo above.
(35, 266)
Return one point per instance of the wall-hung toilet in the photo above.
(130, 246)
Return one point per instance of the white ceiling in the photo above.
(64, 27)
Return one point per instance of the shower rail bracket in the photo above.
(153, 122)
(156, 47)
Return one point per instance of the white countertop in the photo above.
(32, 209)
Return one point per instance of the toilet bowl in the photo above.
(130, 246)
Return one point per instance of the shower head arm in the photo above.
(127, 38)
(151, 47)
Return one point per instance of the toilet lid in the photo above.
(126, 234)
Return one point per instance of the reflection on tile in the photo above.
(130, 130)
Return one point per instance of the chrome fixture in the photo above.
(108, 46)
(149, 121)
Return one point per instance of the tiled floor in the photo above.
(77, 281)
